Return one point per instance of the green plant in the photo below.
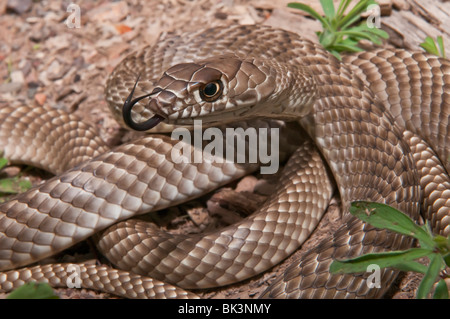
(434, 247)
(12, 185)
(33, 290)
(339, 31)
(429, 45)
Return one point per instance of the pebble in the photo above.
(17, 77)
(55, 71)
(10, 87)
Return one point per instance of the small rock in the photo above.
(18, 6)
(11, 171)
(59, 42)
(17, 77)
(10, 87)
(55, 71)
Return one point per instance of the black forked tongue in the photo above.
(128, 106)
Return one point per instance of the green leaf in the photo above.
(385, 217)
(33, 290)
(440, 42)
(372, 31)
(328, 8)
(441, 291)
(383, 260)
(345, 47)
(429, 279)
(358, 35)
(342, 7)
(354, 13)
(429, 46)
(443, 244)
(375, 31)
(336, 54)
(3, 162)
(14, 185)
(349, 22)
(447, 259)
(327, 39)
(312, 12)
(411, 266)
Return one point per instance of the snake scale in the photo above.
(379, 120)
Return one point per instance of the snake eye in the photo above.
(211, 91)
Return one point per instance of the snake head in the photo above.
(217, 90)
(227, 89)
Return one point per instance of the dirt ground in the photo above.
(45, 61)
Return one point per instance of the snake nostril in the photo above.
(163, 103)
(158, 107)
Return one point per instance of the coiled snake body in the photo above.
(379, 119)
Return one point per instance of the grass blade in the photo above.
(374, 31)
(441, 291)
(430, 276)
(429, 46)
(342, 7)
(383, 260)
(358, 35)
(14, 185)
(354, 13)
(411, 266)
(328, 8)
(440, 42)
(311, 11)
(3, 162)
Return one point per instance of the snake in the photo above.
(374, 127)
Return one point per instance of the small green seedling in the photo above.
(339, 30)
(430, 46)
